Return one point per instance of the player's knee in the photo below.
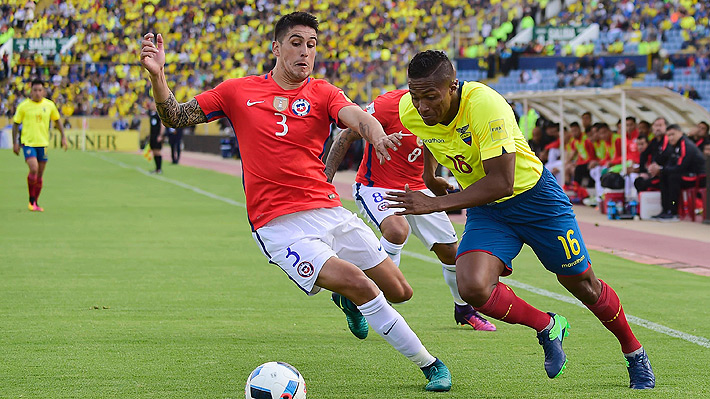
(395, 229)
(396, 236)
(447, 257)
(400, 293)
(476, 294)
(360, 289)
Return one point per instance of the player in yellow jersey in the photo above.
(511, 200)
(34, 115)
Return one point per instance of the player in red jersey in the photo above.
(406, 168)
(282, 120)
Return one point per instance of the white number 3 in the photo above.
(282, 122)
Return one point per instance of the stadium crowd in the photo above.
(366, 45)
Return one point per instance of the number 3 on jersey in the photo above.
(281, 123)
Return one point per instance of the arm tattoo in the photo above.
(365, 131)
(175, 115)
(338, 150)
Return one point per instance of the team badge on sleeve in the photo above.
(497, 128)
(280, 103)
(301, 107)
(370, 108)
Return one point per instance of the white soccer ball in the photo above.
(275, 380)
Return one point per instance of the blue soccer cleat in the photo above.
(356, 321)
(640, 371)
(438, 375)
(551, 341)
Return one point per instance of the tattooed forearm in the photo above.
(175, 115)
(338, 150)
(365, 131)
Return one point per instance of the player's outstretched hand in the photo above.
(413, 202)
(391, 141)
(16, 148)
(153, 54)
(64, 143)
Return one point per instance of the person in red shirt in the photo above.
(406, 168)
(583, 155)
(282, 121)
(632, 132)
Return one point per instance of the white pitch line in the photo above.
(704, 342)
(171, 181)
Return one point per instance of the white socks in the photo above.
(450, 278)
(393, 250)
(387, 322)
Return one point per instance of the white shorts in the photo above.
(300, 243)
(434, 228)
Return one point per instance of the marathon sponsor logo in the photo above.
(575, 263)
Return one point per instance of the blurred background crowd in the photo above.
(364, 47)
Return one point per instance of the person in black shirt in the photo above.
(679, 165)
(156, 137)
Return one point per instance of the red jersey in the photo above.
(632, 152)
(281, 135)
(407, 163)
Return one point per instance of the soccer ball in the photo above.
(275, 380)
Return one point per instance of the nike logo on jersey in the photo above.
(391, 327)
(250, 103)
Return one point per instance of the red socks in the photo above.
(609, 311)
(34, 186)
(38, 188)
(504, 305)
(31, 183)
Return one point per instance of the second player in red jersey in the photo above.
(407, 163)
(404, 169)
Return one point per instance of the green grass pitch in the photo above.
(131, 286)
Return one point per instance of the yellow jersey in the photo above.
(483, 128)
(35, 118)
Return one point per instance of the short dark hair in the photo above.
(587, 113)
(601, 125)
(37, 81)
(430, 62)
(574, 124)
(674, 126)
(631, 118)
(297, 18)
(707, 127)
(645, 123)
(664, 120)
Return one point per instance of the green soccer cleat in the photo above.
(551, 341)
(356, 321)
(439, 377)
